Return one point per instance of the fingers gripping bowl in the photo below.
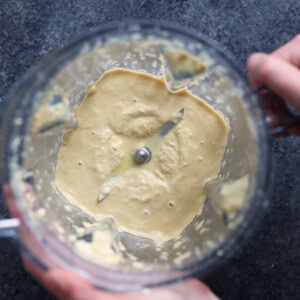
(52, 226)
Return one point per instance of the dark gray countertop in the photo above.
(268, 265)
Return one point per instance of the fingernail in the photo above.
(254, 64)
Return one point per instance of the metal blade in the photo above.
(106, 188)
(172, 123)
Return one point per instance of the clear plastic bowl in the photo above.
(30, 159)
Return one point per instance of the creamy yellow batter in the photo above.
(124, 111)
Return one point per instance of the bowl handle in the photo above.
(282, 117)
(8, 227)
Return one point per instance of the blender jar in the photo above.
(50, 225)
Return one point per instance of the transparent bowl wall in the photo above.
(31, 159)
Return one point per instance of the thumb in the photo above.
(186, 290)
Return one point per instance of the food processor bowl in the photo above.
(50, 225)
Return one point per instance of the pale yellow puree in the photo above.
(123, 111)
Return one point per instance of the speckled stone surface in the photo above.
(268, 265)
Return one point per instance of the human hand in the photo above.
(69, 286)
(280, 71)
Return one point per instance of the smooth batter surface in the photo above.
(121, 112)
